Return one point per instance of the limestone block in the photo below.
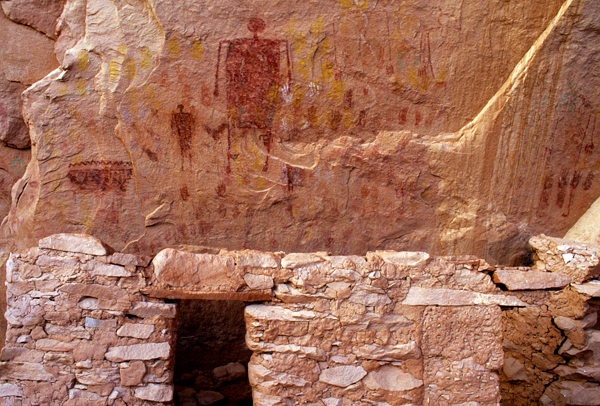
(107, 325)
(255, 259)
(259, 374)
(9, 389)
(185, 269)
(530, 280)
(262, 312)
(136, 330)
(139, 352)
(397, 352)
(133, 374)
(369, 296)
(97, 291)
(57, 262)
(413, 259)
(391, 378)
(25, 371)
(449, 297)
(297, 260)
(258, 281)
(342, 376)
(119, 258)
(85, 244)
(98, 376)
(155, 393)
(47, 344)
(97, 268)
(150, 309)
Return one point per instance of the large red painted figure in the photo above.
(253, 82)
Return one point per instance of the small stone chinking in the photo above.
(91, 327)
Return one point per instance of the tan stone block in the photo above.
(136, 330)
(119, 258)
(133, 374)
(185, 269)
(47, 344)
(85, 244)
(155, 393)
(150, 309)
(25, 371)
(449, 297)
(97, 268)
(391, 378)
(530, 280)
(342, 376)
(139, 352)
(297, 260)
(258, 281)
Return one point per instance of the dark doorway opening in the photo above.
(210, 353)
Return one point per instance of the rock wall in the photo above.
(87, 326)
(160, 128)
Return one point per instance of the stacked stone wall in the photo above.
(91, 327)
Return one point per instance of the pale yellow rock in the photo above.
(155, 393)
(342, 376)
(392, 379)
(139, 352)
(82, 243)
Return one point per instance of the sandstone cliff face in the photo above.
(344, 126)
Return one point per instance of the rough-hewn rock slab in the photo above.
(119, 258)
(183, 294)
(388, 352)
(82, 243)
(530, 280)
(296, 260)
(591, 288)
(25, 371)
(139, 352)
(262, 312)
(136, 330)
(99, 268)
(392, 379)
(155, 393)
(184, 269)
(342, 376)
(449, 297)
(149, 309)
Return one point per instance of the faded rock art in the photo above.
(100, 175)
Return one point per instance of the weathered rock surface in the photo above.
(530, 280)
(398, 119)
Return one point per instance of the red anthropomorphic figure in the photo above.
(253, 77)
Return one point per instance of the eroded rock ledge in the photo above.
(91, 327)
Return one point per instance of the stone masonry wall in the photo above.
(91, 327)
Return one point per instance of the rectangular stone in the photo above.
(48, 344)
(397, 352)
(155, 393)
(57, 262)
(98, 376)
(97, 268)
(255, 259)
(85, 244)
(9, 389)
(185, 269)
(150, 309)
(262, 312)
(108, 325)
(530, 280)
(25, 371)
(97, 291)
(449, 297)
(139, 352)
(119, 258)
(136, 330)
